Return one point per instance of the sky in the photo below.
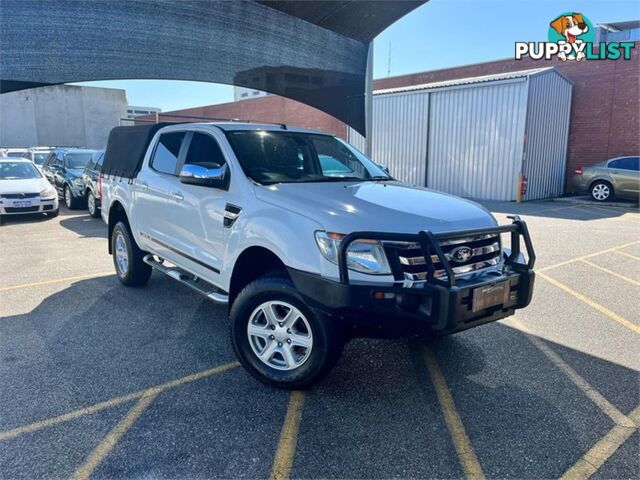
(439, 34)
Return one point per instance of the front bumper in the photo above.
(76, 191)
(435, 306)
(32, 205)
(395, 310)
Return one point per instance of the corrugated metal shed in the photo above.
(473, 136)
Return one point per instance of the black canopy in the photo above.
(126, 148)
(311, 51)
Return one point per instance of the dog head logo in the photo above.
(571, 31)
(570, 26)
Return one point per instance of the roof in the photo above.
(15, 159)
(621, 26)
(235, 126)
(471, 80)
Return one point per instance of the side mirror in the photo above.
(384, 167)
(206, 177)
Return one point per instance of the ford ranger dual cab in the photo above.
(307, 241)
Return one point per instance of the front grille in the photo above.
(18, 196)
(21, 209)
(484, 252)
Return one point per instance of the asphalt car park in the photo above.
(98, 380)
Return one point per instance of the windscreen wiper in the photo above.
(335, 179)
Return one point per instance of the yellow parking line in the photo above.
(583, 298)
(597, 455)
(283, 460)
(98, 407)
(584, 257)
(596, 397)
(109, 442)
(466, 455)
(626, 254)
(57, 280)
(611, 272)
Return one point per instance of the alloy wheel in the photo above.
(280, 335)
(122, 256)
(67, 197)
(91, 204)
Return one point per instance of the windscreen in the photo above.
(17, 154)
(18, 171)
(76, 159)
(269, 157)
(39, 158)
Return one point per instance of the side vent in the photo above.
(231, 214)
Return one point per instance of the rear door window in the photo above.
(165, 157)
(626, 163)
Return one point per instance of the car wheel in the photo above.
(601, 191)
(278, 339)
(128, 258)
(1, 220)
(91, 205)
(69, 200)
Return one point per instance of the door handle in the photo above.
(144, 185)
(178, 196)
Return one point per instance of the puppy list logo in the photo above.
(571, 37)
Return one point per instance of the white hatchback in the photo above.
(24, 189)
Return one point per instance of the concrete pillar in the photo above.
(368, 103)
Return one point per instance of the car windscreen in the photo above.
(18, 171)
(39, 158)
(269, 157)
(17, 154)
(77, 159)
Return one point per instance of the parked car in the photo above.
(246, 215)
(614, 178)
(24, 189)
(91, 181)
(63, 168)
(36, 155)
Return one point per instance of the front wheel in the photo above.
(601, 191)
(70, 201)
(128, 258)
(278, 339)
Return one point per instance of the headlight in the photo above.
(366, 256)
(48, 193)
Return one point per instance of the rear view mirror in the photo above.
(207, 177)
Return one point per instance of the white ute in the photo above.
(307, 241)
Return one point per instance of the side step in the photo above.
(200, 286)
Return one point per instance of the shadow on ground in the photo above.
(85, 225)
(558, 210)
(376, 415)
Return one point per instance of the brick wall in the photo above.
(605, 116)
(267, 109)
